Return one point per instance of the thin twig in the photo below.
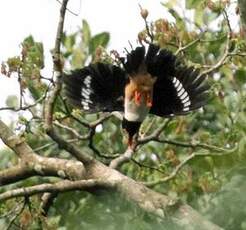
(12, 211)
(226, 54)
(16, 216)
(149, 33)
(73, 131)
(237, 54)
(155, 135)
(182, 164)
(187, 46)
(147, 166)
(25, 107)
(192, 144)
(100, 120)
(70, 11)
(227, 21)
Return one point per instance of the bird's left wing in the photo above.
(179, 89)
(96, 88)
(180, 93)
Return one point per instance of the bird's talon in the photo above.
(149, 103)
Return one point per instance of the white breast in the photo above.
(134, 112)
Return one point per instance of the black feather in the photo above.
(97, 87)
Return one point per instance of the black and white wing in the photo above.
(97, 87)
(179, 94)
(179, 89)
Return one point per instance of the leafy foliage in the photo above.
(78, 52)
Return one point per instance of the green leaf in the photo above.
(12, 101)
(14, 64)
(240, 75)
(78, 58)
(69, 42)
(100, 39)
(28, 41)
(86, 33)
(193, 3)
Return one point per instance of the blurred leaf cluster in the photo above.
(27, 67)
(82, 47)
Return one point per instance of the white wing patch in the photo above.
(86, 93)
(182, 94)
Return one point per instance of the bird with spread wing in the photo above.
(151, 81)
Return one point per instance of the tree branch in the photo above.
(96, 172)
(47, 201)
(25, 107)
(42, 166)
(49, 105)
(181, 165)
(187, 46)
(242, 8)
(226, 54)
(71, 148)
(15, 173)
(150, 201)
(123, 158)
(192, 144)
(62, 186)
(33, 164)
(73, 131)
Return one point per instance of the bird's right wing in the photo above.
(96, 88)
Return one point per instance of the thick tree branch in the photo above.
(62, 186)
(71, 148)
(33, 164)
(15, 173)
(17, 144)
(151, 201)
(147, 199)
(42, 166)
(49, 105)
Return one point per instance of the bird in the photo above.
(149, 80)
